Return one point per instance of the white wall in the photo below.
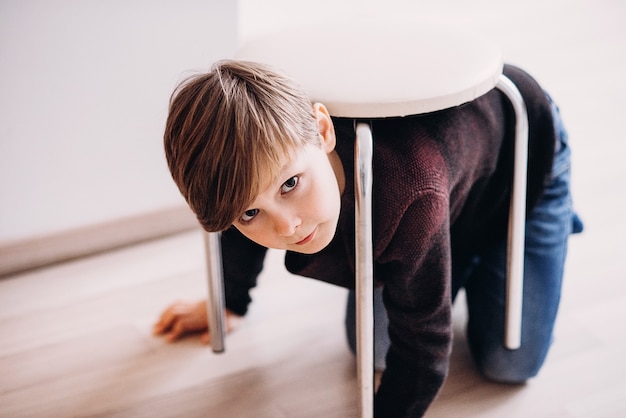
(84, 89)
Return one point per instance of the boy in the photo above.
(255, 159)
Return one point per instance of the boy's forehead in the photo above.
(276, 174)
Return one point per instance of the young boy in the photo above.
(255, 159)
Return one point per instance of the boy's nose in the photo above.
(285, 224)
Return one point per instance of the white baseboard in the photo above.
(18, 256)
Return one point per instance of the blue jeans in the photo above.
(548, 226)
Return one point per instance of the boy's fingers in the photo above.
(181, 318)
(160, 327)
(165, 321)
(169, 316)
(176, 331)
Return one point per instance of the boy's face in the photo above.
(299, 209)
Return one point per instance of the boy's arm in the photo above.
(416, 272)
(242, 262)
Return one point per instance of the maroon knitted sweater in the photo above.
(441, 190)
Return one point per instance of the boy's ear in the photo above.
(325, 127)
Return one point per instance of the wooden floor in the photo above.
(76, 342)
(75, 339)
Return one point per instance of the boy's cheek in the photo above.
(258, 238)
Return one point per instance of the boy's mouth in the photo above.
(308, 238)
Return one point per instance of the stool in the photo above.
(374, 70)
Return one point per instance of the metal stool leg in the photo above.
(215, 301)
(517, 219)
(364, 268)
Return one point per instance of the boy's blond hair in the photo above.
(227, 130)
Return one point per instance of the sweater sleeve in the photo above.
(242, 262)
(417, 298)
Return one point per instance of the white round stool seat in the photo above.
(371, 70)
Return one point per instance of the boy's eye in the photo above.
(289, 185)
(249, 214)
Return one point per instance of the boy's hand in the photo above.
(183, 318)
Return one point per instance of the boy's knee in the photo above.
(510, 367)
(508, 375)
